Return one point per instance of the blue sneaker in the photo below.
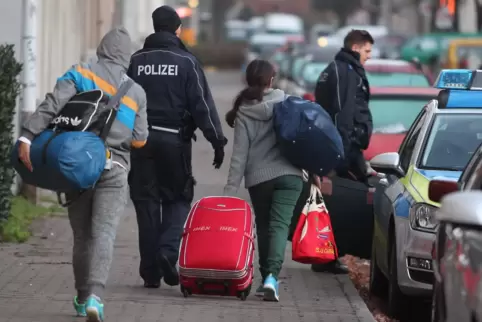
(94, 309)
(79, 308)
(271, 289)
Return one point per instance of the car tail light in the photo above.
(309, 97)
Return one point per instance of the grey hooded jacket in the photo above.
(256, 155)
(130, 127)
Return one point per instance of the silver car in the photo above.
(438, 145)
(457, 251)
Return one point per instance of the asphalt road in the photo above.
(36, 282)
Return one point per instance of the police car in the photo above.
(438, 145)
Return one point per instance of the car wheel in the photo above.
(397, 301)
(378, 282)
(438, 305)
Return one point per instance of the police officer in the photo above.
(161, 180)
(344, 92)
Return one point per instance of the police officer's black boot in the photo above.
(335, 267)
(171, 275)
(152, 284)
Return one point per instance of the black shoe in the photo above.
(171, 276)
(152, 285)
(335, 267)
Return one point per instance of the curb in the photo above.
(361, 310)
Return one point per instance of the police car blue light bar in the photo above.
(454, 79)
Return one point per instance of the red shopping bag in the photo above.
(313, 239)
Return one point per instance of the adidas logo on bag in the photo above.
(75, 121)
(67, 121)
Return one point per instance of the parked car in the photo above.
(393, 110)
(438, 145)
(389, 46)
(303, 76)
(392, 72)
(460, 52)
(320, 31)
(263, 45)
(457, 250)
(427, 48)
(336, 38)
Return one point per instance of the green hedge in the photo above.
(10, 87)
(224, 56)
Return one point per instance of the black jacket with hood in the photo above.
(343, 91)
(178, 95)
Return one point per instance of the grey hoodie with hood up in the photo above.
(256, 155)
(130, 127)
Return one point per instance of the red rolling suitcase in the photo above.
(217, 248)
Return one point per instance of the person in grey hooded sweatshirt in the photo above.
(274, 184)
(95, 215)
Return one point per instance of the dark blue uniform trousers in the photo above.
(161, 188)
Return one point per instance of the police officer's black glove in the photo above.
(218, 157)
(219, 153)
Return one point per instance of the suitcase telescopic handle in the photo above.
(202, 287)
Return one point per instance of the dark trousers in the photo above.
(161, 188)
(160, 232)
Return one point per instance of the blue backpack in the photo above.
(71, 155)
(307, 136)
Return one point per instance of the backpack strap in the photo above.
(114, 103)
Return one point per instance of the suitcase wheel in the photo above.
(185, 292)
(243, 295)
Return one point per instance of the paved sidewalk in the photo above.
(36, 279)
(36, 285)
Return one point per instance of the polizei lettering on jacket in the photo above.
(165, 70)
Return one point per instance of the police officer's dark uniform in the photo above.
(161, 181)
(343, 91)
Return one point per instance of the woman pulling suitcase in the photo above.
(274, 184)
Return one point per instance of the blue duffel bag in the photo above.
(71, 154)
(63, 162)
(307, 136)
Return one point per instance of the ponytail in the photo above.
(251, 93)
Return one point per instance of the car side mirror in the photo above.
(387, 163)
(437, 189)
(461, 207)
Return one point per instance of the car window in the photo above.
(428, 44)
(285, 66)
(311, 72)
(278, 57)
(452, 141)
(471, 178)
(397, 79)
(296, 67)
(406, 149)
(394, 115)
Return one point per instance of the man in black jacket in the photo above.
(343, 91)
(161, 183)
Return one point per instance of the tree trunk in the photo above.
(219, 8)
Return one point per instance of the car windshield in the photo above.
(311, 72)
(453, 140)
(278, 56)
(394, 115)
(397, 79)
(296, 68)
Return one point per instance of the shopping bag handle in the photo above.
(316, 197)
